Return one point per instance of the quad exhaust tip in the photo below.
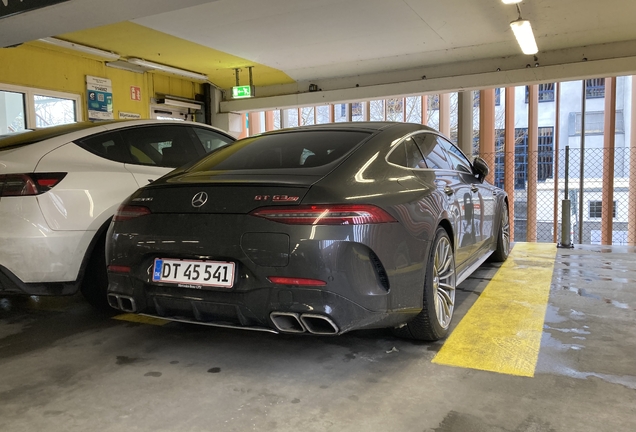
(121, 302)
(289, 322)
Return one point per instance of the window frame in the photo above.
(29, 101)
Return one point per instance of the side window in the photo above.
(162, 145)
(457, 158)
(433, 152)
(211, 140)
(408, 155)
(107, 145)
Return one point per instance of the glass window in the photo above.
(167, 146)
(12, 109)
(211, 140)
(408, 155)
(433, 152)
(596, 209)
(52, 111)
(107, 145)
(457, 158)
(298, 149)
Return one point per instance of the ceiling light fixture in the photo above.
(169, 69)
(81, 48)
(511, 1)
(523, 32)
(121, 64)
(179, 102)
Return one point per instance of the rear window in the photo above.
(298, 149)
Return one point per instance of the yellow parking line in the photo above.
(141, 319)
(502, 331)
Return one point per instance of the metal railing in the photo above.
(603, 205)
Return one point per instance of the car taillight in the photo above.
(323, 214)
(118, 269)
(127, 212)
(28, 184)
(296, 281)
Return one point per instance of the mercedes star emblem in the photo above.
(199, 199)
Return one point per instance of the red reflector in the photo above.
(296, 281)
(127, 212)
(118, 269)
(324, 214)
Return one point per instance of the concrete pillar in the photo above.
(465, 122)
(444, 113)
(424, 109)
(269, 120)
(255, 126)
(609, 141)
(348, 111)
(509, 155)
(631, 212)
(556, 199)
(244, 132)
(332, 113)
(533, 150)
(284, 119)
(487, 130)
(366, 112)
(300, 117)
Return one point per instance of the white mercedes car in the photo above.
(60, 186)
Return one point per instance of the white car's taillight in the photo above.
(28, 184)
(127, 212)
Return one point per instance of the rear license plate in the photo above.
(194, 274)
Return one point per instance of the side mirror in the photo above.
(480, 168)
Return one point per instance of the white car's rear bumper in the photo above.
(32, 255)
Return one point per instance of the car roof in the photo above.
(33, 136)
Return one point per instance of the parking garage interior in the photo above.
(543, 342)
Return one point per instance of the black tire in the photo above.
(428, 325)
(503, 237)
(95, 282)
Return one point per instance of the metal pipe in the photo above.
(582, 161)
(566, 223)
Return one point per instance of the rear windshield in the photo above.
(33, 136)
(298, 149)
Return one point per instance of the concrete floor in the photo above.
(66, 368)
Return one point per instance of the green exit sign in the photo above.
(242, 92)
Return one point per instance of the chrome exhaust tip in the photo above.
(287, 322)
(319, 324)
(121, 302)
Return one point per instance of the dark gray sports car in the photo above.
(319, 229)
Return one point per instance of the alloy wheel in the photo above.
(444, 282)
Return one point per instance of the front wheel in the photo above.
(433, 322)
(503, 237)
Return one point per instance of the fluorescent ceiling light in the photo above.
(511, 1)
(169, 100)
(523, 32)
(81, 48)
(169, 69)
(120, 64)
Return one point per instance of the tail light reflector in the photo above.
(28, 184)
(127, 212)
(296, 281)
(118, 269)
(325, 214)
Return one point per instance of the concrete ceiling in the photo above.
(352, 49)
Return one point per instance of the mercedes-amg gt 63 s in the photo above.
(319, 229)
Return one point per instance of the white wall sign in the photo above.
(99, 92)
(129, 116)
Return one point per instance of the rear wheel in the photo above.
(433, 321)
(503, 237)
(95, 283)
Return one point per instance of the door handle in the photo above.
(448, 190)
(474, 188)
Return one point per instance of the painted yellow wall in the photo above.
(61, 70)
